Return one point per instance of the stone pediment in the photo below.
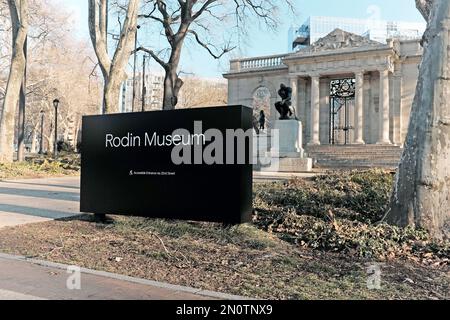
(340, 39)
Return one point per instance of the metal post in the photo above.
(144, 87)
(55, 150)
(330, 122)
(134, 69)
(55, 147)
(103, 106)
(346, 122)
(41, 145)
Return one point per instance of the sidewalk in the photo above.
(28, 279)
(36, 200)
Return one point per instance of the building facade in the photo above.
(316, 27)
(347, 89)
(154, 90)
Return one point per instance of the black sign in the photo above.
(192, 164)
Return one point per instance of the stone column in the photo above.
(359, 107)
(397, 109)
(315, 110)
(302, 110)
(302, 107)
(383, 131)
(294, 100)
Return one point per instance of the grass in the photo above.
(310, 239)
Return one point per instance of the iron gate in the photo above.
(342, 97)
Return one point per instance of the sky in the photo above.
(260, 42)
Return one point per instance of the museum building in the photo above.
(353, 95)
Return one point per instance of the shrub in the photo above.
(361, 196)
(341, 213)
(64, 146)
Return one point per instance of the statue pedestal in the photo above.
(289, 139)
(287, 154)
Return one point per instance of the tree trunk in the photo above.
(421, 195)
(22, 109)
(113, 71)
(66, 134)
(172, 83)
(171, 90)
(33, 148)
(76, 134)
(19, 20)
(50, 140)
(112, 91)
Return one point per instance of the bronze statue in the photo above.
(284, 106)
(262, 120)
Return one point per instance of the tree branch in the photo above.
(424, 7)
(202, 9)
(154, 56)
(225, 50)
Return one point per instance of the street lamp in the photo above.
(41, 145)
(55, 150)
(144, 87)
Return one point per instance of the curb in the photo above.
(105, 274)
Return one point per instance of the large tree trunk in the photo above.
(19, 21)
(421, 196)
(172, 86)
(114, 72)
(112, 91)
(22, 109)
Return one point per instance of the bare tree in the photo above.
(19, 21)
(180, 19)
(5, 47)
(198, 92)
(113, 70)
(62, 71)
(59, 64)
(421, 196)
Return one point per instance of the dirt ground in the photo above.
(243, 260)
